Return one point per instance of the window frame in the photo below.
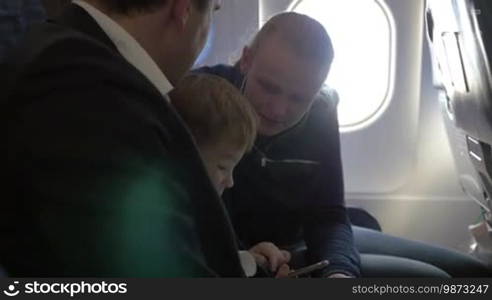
(376, 112)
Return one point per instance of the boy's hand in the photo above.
(283, 271)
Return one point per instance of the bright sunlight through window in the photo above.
(361, 32)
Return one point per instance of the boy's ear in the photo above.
(246, 60)
(181, 11)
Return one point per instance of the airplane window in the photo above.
(362, 36)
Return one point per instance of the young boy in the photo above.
(221, 120)
(224, 126)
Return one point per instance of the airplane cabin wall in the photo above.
(232, 28)
(429, 204)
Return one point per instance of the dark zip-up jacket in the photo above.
(289, 189)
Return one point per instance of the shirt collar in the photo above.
(129, 48)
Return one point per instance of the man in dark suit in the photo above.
(103, 176)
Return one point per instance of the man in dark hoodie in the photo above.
(286, 190)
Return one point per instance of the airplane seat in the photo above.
(459, 33)
(3, 274)
(361, 217)
(3, 76)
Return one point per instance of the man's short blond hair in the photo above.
(215, 111)
(305, 36)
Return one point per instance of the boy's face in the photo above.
(220, 160)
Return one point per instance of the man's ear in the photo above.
(246, 60)
(181, 11)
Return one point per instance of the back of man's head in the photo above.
(172, 32)
(127, 7)
(305, 36)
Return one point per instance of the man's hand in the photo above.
(268, 255)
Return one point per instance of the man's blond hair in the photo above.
(305, 36)
(215, 111)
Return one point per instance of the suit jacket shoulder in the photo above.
(106, 177)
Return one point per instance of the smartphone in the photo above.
(309, 269)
